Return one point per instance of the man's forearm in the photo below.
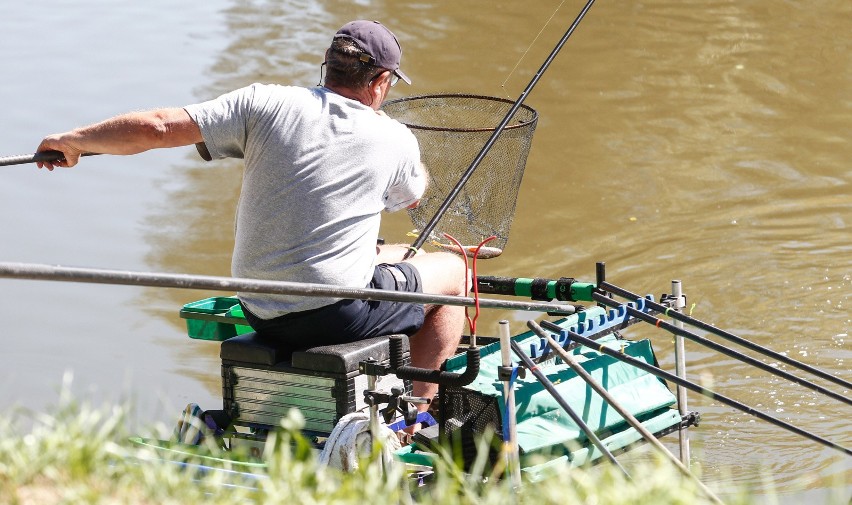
(130, 133)
(136, 132)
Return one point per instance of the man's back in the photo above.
(320, 168)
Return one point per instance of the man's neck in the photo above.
(346, 92)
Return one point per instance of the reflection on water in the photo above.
(701, 141)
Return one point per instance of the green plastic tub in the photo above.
(217, 318)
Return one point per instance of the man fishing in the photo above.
(321, 164)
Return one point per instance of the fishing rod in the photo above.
(427, 230)
(562, 289)
(569, 289)
(185, 281)
(625, 414)
(591, 344)
(545, 382)
(659, 323)
(679, 316)
(42, 156)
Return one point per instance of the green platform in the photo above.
(545, 431)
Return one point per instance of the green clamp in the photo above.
(582, 291)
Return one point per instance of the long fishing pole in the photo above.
(427, 230)
(659, 323)
(35, 158)
(185, 281)
(625, 414)
(679, 316)
(568, 289)
(693, 386)
(548, 385)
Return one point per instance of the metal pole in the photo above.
(638, 363)
(231, 284)
(606, 286)
(550, 388)
(625, 414)
(374, 423)
(511, 445)
(659, 323)
(35, 158)
(680, 370)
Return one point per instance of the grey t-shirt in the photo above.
(319, 170)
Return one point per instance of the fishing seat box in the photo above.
(262, 380)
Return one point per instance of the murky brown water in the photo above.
(701, 141)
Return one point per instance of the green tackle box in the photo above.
(217, 318)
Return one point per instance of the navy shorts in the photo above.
(350, 320)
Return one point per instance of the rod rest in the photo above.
(442, 378)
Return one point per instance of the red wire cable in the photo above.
(471, 322)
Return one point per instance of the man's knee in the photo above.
(441, 272)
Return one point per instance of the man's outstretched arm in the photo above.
(130, 133)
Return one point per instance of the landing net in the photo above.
(452, 129)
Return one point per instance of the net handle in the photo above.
(424, 234)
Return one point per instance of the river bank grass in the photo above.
(81, 454)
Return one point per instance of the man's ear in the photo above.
(376, 89)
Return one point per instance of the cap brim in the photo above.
(402, 76)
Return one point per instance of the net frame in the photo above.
(451, 130)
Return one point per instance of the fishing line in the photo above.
(503, 84)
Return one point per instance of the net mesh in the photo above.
(451, 131)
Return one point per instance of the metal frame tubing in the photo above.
(680, 370)
(186, 281)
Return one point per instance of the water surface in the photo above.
(701, 141)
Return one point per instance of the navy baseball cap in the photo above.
(380, 46)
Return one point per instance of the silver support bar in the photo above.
(375, 432)
(232, 284)
(680, 371)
